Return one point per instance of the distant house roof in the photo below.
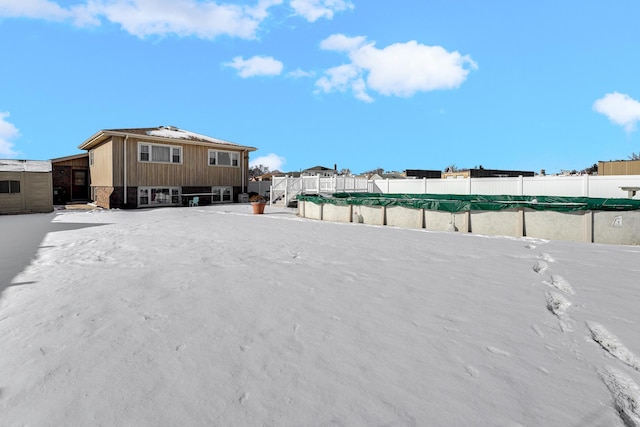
(25, 166)
(160, 133)
(317, 168)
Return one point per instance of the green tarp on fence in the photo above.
(460, 202)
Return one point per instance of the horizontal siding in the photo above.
(194, 170)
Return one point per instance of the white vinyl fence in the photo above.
(572, 186)
(557, 185)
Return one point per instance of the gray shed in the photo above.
(25, 186)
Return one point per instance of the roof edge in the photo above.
(100, 136)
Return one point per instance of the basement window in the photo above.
(158, 196)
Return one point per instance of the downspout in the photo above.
(124, 167)
(244, 157)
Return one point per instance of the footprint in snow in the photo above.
(540, 267)
(561, 284)
(625, 393)
(558, 305)
(611, 344)
(548, 258)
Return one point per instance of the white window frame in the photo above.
(219, 191)
(91, 154)
(145, 196)
(214, 155)
(151, 145)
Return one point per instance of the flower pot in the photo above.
(258, 207)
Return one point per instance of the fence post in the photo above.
(286, 193)
(520, 185)
(585, 187)
(469, 185)
(387, 188)
(425, 185)
(318, 183)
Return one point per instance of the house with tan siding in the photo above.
(164, 166)
(619, 167)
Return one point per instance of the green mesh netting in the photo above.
(460, 202)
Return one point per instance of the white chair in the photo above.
(194, 201)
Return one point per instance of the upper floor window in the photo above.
(90, 157)
(224, 158)
(156, 153)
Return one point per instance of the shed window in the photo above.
(9, 186)
(156, 153)
(224, 158)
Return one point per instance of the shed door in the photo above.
(80, 189)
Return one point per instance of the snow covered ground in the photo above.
(213, 316)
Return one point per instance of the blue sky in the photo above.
(410, 84)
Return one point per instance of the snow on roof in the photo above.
(175, 133)
(25, 166)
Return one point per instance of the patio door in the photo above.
(79, 187)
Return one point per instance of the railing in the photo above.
(286, 188)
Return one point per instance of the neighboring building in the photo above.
(70, 179)
(485, 173)
(25, 186)
(423, 173)
(619, 167)
(319, 170)
(163, 166)
(390, 175)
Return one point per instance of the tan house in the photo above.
(70, 179)
(164, 166)
(25, 186)
(619, 167)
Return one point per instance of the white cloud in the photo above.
(343, 78)
(401, 69)
(272, 161)
(8, 132)
(142, 18)
(256, 66)
(205, 20)
(342, 43)
(40, 9)
(620, 108)
(296, 74)
(313, 10)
